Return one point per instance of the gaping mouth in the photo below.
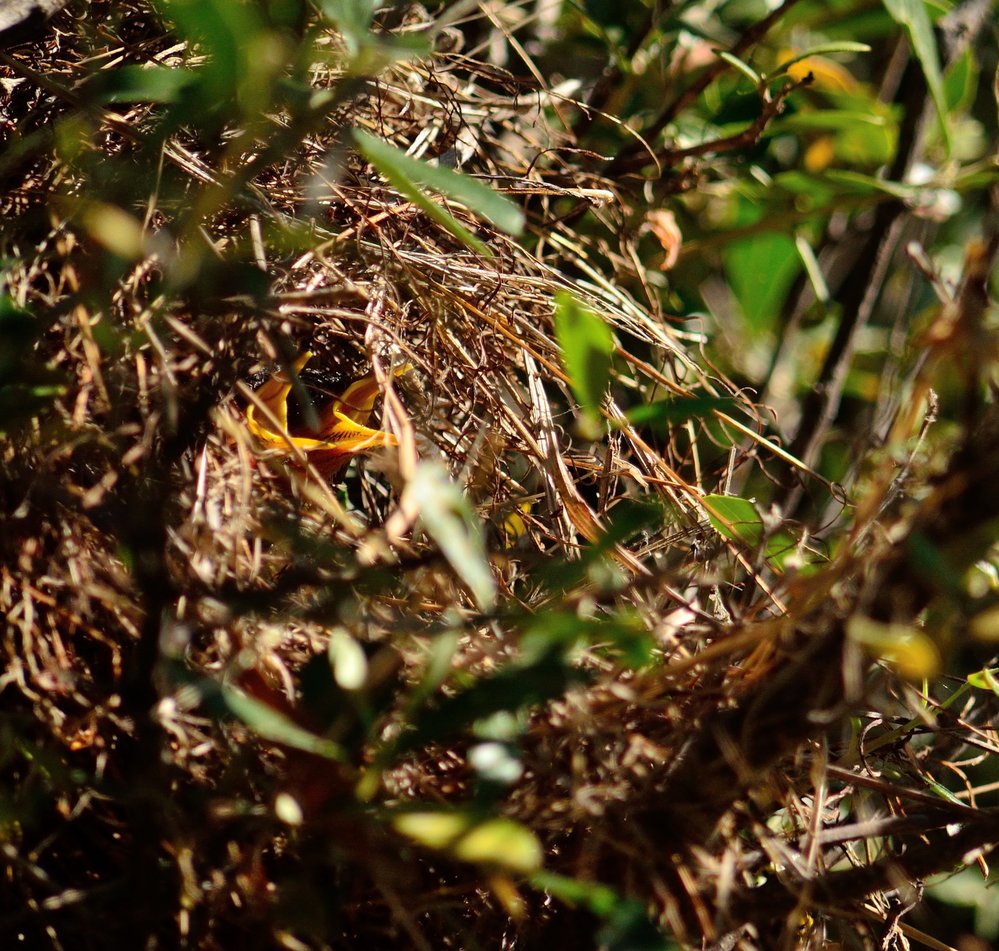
(342, 432)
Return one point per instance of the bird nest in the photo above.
(190, 539)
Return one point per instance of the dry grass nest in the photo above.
(140, 510)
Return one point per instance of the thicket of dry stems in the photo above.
(144, 531)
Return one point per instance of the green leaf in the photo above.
(230, 33)
(353, 19)
(961, 82)
(161, 84)
(623, 634)
(369, 51)
(943, 792)
(813, 269)
(626, 925)
(409, 176)
(832, 120)
(680, 409)
(273, 725)
(912, 16)
(625, 520)
(867, 184)
(751, 74)
(760, 271)
(985, 679)
(451, 522)
(26, 385)
(906, 648)
(735, 519)
(824, 49)
(599, 899)
(514, 687)
(498, 843)
(587, 345)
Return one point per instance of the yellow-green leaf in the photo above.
(985, 679)
(734, 518)
(906, 648)
(499, 843)
(984, 626)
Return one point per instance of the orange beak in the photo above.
(341, 434)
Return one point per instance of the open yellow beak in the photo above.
(341, 434)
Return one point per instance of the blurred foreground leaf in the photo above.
(26, 385)
(452, 523)
(912, 15)
(273, 725)
(162, 84)
(499, 843)
(906, 648)
(626, 925)
(518, 685)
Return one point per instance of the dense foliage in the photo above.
(495, 474)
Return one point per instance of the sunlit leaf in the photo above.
(473, 194)
(813, 269)
(751, 74)
(348, 660)
(501, 843)
(587, 345)
(823, 49)
(734, 518)
(496, 762)
(985, 679)
(288, 809)
(117, 230)
(410, 177)
(452, 523)
(906, 648)
(498, 843)
(984, 626)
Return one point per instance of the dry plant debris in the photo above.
(229, 672)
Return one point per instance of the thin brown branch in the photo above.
(630, 158)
